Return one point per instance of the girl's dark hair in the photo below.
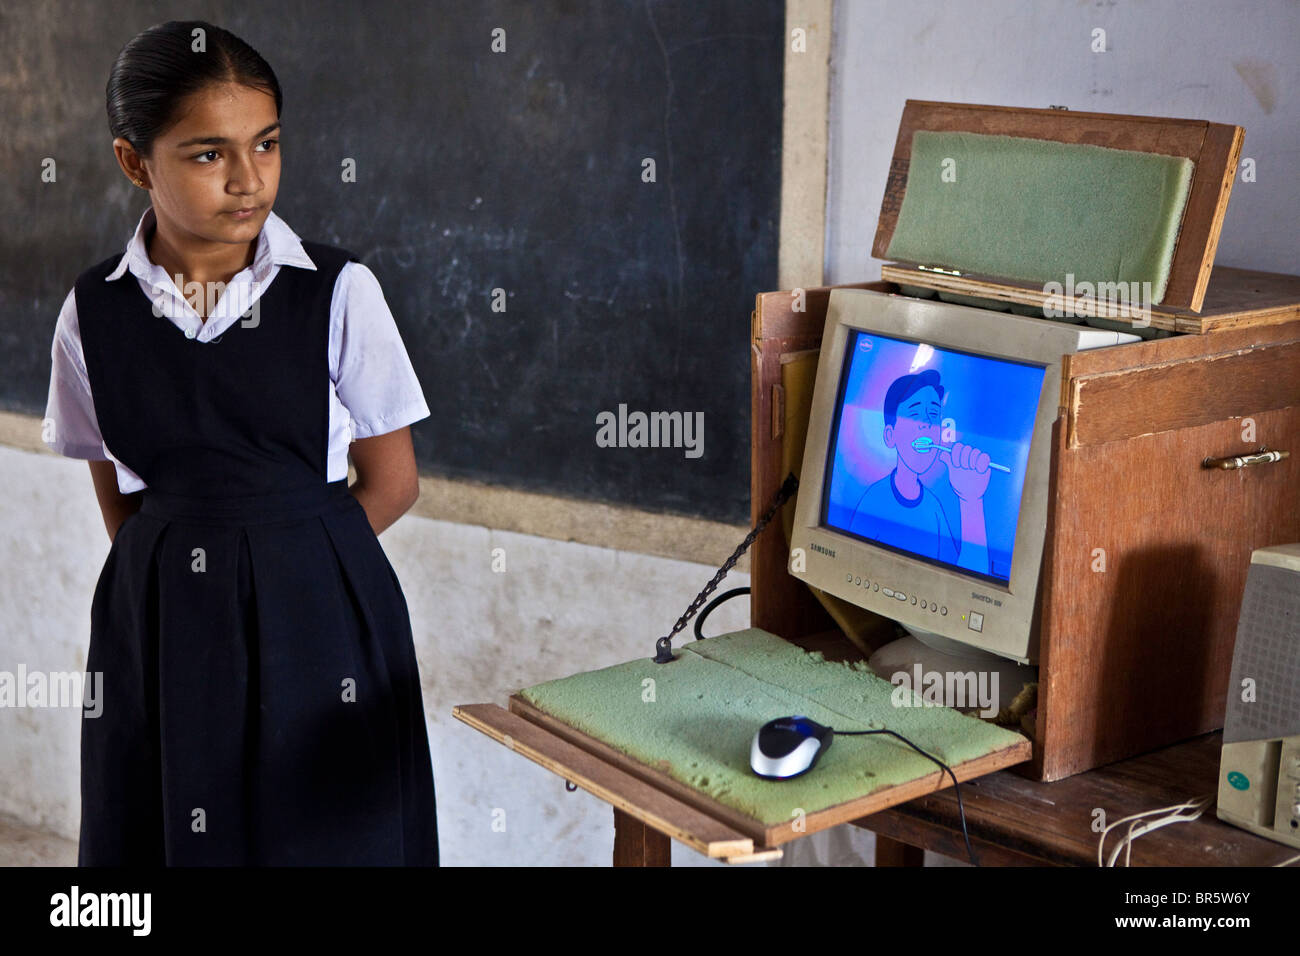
(158, 68)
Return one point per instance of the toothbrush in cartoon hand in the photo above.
(924, 445)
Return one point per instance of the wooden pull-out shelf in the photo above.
(615, 786)
(675, 809)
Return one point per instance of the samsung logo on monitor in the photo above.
(817, 547)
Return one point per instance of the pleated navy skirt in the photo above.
(262, 701)
(261, 696)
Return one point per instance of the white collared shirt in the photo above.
(373, 389)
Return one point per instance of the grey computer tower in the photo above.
(1259, 774)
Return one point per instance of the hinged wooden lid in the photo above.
(1214, 147)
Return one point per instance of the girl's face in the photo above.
(214, 174)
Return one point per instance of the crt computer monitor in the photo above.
(887, 518)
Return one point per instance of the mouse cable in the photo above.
(1178, 813)
(955, 785)
(724, 596)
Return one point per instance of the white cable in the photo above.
(1136, 816)
(1179, 813)
(1288, 862)
(1137, 829)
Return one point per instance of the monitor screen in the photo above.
(928, 451)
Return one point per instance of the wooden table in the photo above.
(1014, 821)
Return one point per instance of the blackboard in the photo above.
(476, 170)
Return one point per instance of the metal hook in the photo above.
(570, 786)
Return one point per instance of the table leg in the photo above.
(893, 853)
(636, 844)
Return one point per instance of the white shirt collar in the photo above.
(277, 244)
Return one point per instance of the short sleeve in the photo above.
(369, 366)
(70, 427)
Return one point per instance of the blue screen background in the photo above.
(988, 403)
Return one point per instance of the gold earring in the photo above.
(140, 183)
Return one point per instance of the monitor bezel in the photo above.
(1009, 609)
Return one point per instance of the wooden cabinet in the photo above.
(1147, 549)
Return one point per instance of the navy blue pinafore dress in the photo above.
(262, 702)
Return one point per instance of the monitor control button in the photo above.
(943, 611)
(914, 599)
(976, 621)
(900, 595)
(888, 592)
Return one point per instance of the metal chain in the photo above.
(664, 646)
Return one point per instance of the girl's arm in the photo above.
(387, 482)
(115, 506)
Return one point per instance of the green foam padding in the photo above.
(1035, 210)
(709, 703)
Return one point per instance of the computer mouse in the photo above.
(788, 746)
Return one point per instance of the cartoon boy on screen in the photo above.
(899, 510)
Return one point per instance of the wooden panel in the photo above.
(1024, 293)
(780, 603)
(1224, 340)
(1213, 147)
(1137, 656)
(1018, 822)
(768, 835)
(1116, 405)
(1244, 298)
(1240, 297)
(1206, 205)
(775, 315)
(625, 792)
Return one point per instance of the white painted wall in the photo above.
(1227, 61)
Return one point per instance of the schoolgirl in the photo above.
(262, 701)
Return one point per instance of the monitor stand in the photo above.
(942, 655)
